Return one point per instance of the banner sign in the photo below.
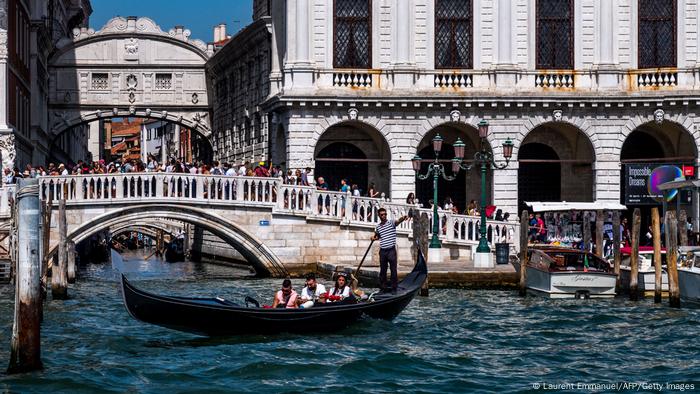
(642, 180)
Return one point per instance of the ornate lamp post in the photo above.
(484, 160)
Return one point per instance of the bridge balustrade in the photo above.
(305, 201)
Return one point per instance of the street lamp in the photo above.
(482, 158)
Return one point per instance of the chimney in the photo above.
(222, 31)
(217, 34)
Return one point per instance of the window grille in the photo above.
(164, 81)
(657, 33)
(100, 81)
(453, 33)
(352, 37)
(555, 34)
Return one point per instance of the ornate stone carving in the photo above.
(63, 116)
(131, 49)
(66, 98)
(164, 114)
(148, 112)
(98, 113)
(455, 115)
(198, 118)
(132, 110)
(115, 111)
(353, 113)
(195, 98)
(659, 116)
(557, 114)
(132, 97)
(131, 81)
(7, 150)
(3, 42)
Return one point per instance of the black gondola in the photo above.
(217, 317)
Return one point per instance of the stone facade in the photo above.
(573, 123)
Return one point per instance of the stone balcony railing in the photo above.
(518, 80)
(306, 201)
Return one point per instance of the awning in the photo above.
(689, 184)
(546, 206)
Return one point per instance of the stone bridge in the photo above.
(276, 227)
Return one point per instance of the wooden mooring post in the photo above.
(616, 249)
(25, 353)
(70, 257)
(524, 228)
(59, 272)
(656, 237)
(671, 227)
(586, 232)
(634, 256)
(420, 235)
(682, 228)
(599, 221)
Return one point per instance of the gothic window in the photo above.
(99, 81)
(352, 37)
(453, 34)
(555, 34)
(657, 33)
(164, 81)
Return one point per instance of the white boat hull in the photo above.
(646, 280)
(570, 284)
(689, 284)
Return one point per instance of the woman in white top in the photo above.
(341, 290)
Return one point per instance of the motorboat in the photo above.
(689, 274)
(558, 272)
(646, 272)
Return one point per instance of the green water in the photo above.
(452, 341)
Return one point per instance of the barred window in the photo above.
(100, 81)
(164, 81)
(453, 34)
(555, 34)
(657, 33)
(352, 38)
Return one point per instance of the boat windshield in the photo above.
(564, 260)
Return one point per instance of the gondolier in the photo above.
(386, 234)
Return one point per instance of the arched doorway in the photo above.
(539, 173)
(467, 185)
(356, 152)
(555, 163)
(647, 147)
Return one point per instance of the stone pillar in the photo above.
(142, 142)
(607, 66)
(299, 48)
(163, 146)
(176, 141)
(403, 63)
(506, 19)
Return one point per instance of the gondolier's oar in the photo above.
(363, 258)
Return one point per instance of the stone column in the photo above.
(607, 66)
(403, 63)
(176, 141)
(299, 48)
(505, 21)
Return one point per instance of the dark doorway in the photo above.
(341, 160)
(539, 174)
(641, 146)
(456, 189)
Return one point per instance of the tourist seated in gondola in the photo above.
(287, 297)
(341, 290)
(313, 292)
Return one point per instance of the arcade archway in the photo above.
(555, 163)
(467, 185)
(356, 152)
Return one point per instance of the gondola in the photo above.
(220, 317)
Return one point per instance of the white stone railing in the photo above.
(453, 80)
(7, 197)
(656, 79)
(555, 80)
(352, 79)
(306, 201)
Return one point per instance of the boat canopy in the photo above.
(680, 184)
(551, 206)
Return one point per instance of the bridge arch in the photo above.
(255, 252)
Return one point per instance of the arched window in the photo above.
(657, 33)
(453, 33)
(555, 34)
(351, 32)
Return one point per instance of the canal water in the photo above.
(452, 341)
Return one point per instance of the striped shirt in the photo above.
(387, 234)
